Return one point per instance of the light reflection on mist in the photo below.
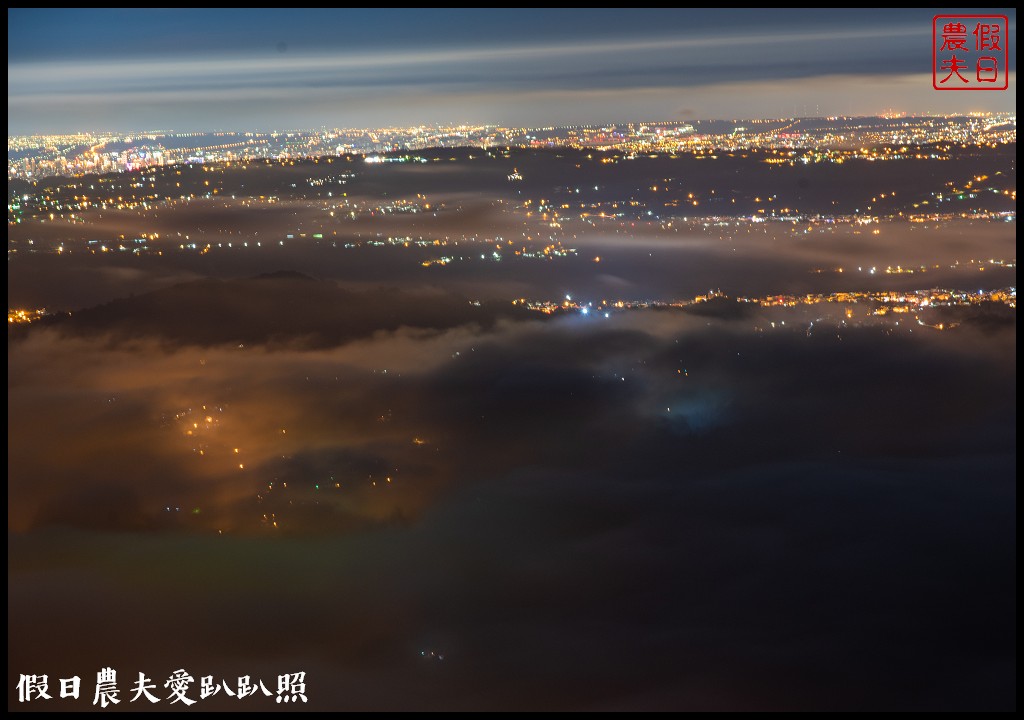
(583, 493)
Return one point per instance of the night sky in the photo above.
(289, 69)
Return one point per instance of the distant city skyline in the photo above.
(131, 70)
(835, 139)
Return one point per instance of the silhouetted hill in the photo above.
(279, 307)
